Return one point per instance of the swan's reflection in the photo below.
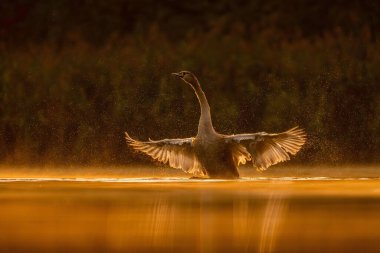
(256, 223)
(207, 223)
(271, 221)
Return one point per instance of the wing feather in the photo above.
(177, 153)
(266, 149)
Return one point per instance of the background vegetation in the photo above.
(74, 75)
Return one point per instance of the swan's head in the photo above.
(187, 76)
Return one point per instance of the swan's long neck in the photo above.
(205, 123)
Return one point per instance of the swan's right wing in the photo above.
(177, 153)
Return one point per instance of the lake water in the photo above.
(175, 214)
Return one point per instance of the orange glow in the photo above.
(177, 214)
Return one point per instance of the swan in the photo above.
(213, 155)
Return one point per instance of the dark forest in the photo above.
(74, 75)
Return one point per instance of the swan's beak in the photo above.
(177, 74)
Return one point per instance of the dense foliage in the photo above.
(74, 76)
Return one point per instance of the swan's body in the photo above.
(216, 155)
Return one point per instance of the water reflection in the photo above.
(196, 217)
(273, 214)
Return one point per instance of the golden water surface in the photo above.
(175, 214)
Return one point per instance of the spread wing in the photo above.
(266, 149)
(177, 153)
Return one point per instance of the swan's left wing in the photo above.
(266, 149)
(177, 153)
